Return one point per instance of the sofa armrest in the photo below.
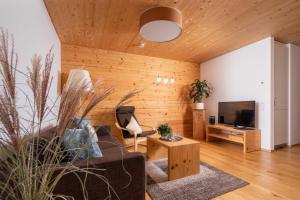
(128, 184)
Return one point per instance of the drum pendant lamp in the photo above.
(161, 24)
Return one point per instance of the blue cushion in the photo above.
(84, 122)
(79, 144)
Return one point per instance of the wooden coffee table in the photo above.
(183, 156)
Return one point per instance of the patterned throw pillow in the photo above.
(85, 124)
(79, 144)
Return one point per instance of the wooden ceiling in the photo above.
(210, 27)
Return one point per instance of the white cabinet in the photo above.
(281, 80)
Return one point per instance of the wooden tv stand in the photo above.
(249, 138)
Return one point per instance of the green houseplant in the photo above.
(164, 130)
(200, 90)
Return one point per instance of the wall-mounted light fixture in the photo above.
(165, 80)
(172, 80)
(158, 79)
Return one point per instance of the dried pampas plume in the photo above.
(27, 171)
(8, 109)
(126, 99)
(40, 81)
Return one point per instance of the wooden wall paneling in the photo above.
(158, 103)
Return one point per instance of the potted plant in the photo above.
(164, 130)
(200, 90)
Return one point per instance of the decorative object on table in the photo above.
(127, 123)
(171, 138)
(200, 90)
(212, 120)
(164, 130)
(209, 184)
(28, 148)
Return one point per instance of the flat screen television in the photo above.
(237, 113)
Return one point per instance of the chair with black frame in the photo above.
(124, 116)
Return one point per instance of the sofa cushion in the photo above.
(86, 124)
(80, 145)
(106, 142)
(124, 114)
(114, 152)
(103, 130)
(133, 127)
(81, 123)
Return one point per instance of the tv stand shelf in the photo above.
(249, 138)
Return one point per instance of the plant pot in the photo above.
(199, 106)
(164, 134)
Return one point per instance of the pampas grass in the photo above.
(30, 165)
(8, 109)
(40, 81)
(126, 99)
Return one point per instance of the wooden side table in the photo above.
(183, 156)
(199, 124)
(250, 139)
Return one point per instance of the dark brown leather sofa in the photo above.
(127, 183)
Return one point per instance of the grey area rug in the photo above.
(210, 183)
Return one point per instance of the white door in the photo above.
(281, 94)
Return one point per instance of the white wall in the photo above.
(294, 94)
(245, 74)
(33, 33)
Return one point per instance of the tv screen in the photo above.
(237, 113)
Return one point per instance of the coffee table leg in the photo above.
(183, 161)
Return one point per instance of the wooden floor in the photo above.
(273, 175)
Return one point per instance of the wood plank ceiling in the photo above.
(210, 27)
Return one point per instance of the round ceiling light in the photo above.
(160, 24)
